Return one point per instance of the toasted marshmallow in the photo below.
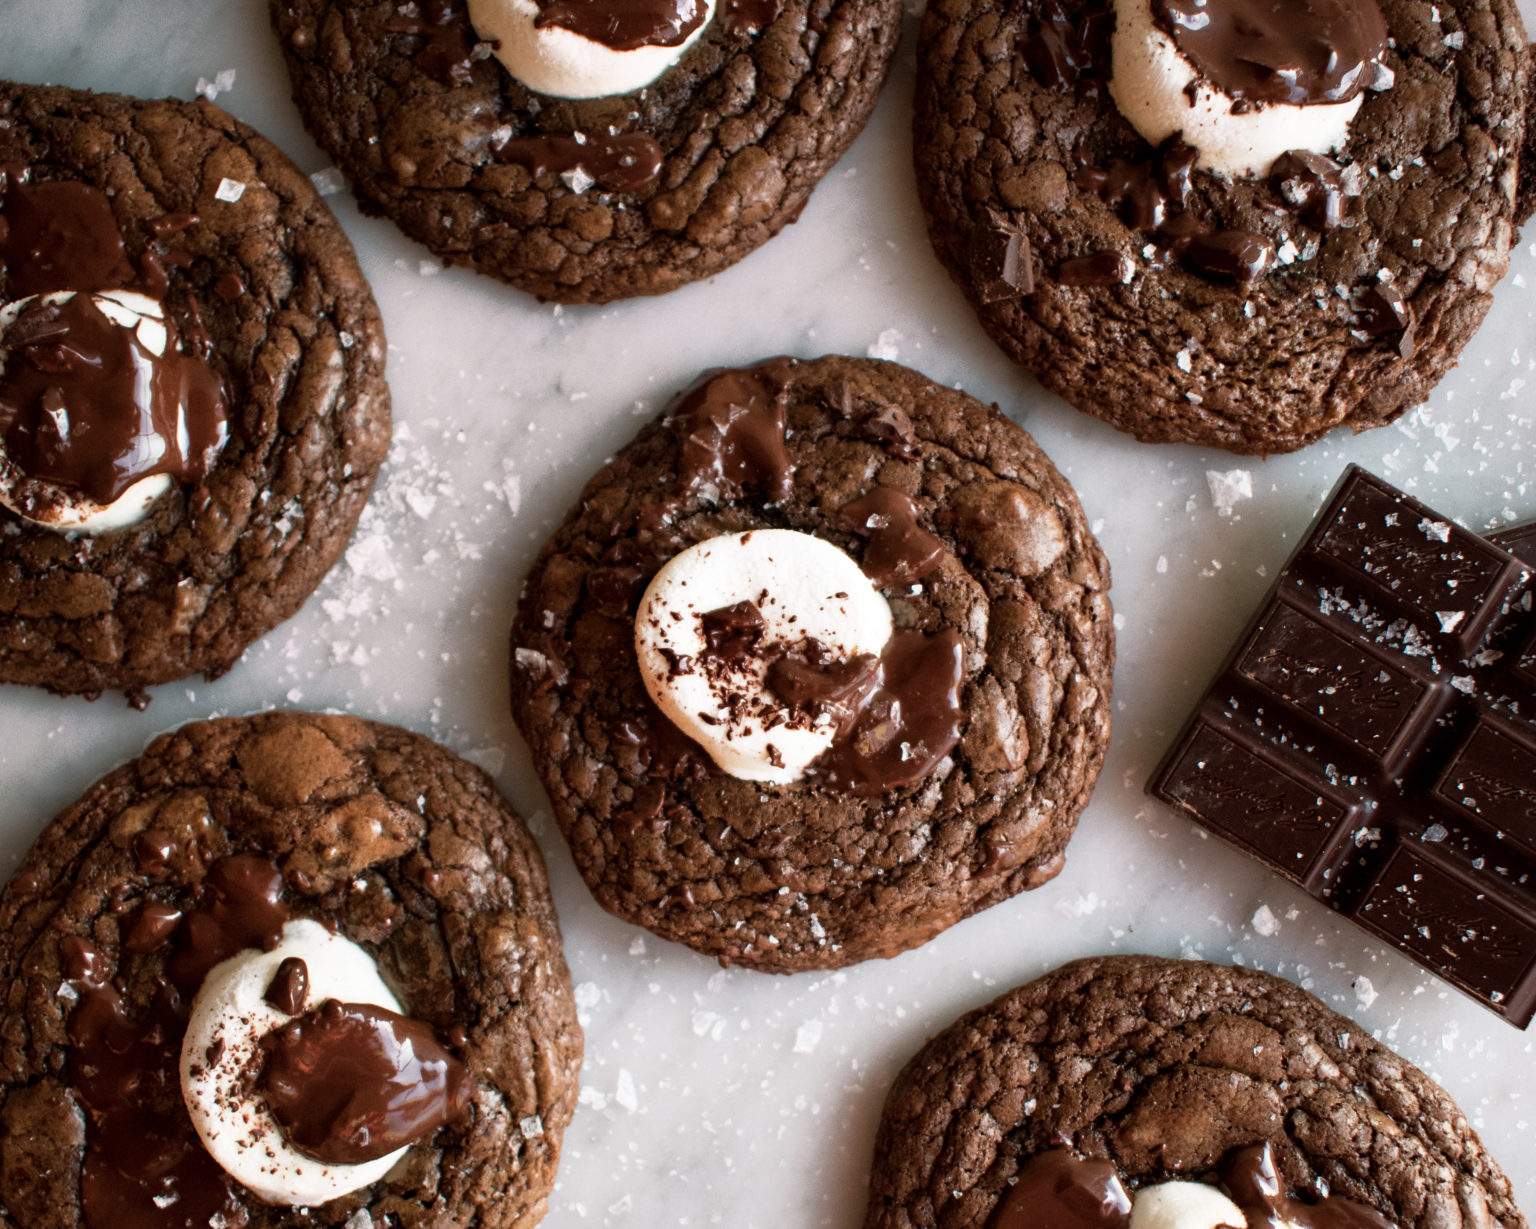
(1184, 1205)
(220, 1058)
(564, 64)
(60, 508)
(1160, 92)
(803, 588)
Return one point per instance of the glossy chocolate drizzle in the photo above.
(909, 718)
(623, 163)
(1058, 1190)
(1299, 52)
(84, 403)
(350, 1082)
(899, 550)
(61, 236)
(730, 433)
(144, 1166)
(624, 25)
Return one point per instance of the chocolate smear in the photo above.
(350, 1082)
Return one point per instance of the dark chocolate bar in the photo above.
(1373, 737)
(1519, 541)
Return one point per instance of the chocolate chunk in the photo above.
(746, 17)
(1095, 269)
(623, 163)
(1065, 52)
(1371, 739)
(290, 986)
(1001, 264)
(1235, 255)
(892, 427)
(1312, 185)
(899, 550)
(732, 632)
(1384, 311)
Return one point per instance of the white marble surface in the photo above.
(731, 1098)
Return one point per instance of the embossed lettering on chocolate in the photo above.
(1372, 739)
(586, 200)
(958, 756)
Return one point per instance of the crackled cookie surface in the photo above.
(202, 847)
(1355, 317)
(1171, 1069)
(909, 822)
(177, 208)
(587, 200)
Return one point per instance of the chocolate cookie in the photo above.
(965, 748)
(206, 845)
(1168, 1069)
(188, 216)
(587, 200)
(1128, 294)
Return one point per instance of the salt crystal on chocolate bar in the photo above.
(1373, 737)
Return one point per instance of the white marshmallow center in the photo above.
(564, 64)
(68, 510)
(229, 1017)
(804, 588)
(1161, 93)
(1184, 1205)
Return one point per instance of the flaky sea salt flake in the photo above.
(1228, 487)
(229, 191)
(886, 346)
(223, 81)
(328, 181)
(1265, 922)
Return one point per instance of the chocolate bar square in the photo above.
(1373, 737)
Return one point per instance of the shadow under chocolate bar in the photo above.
(1373, 737)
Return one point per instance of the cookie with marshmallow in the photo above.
(1137, 1092)
(817, 666)
(1236, 225)
(587, 150)
(181, 461)
(296, 969)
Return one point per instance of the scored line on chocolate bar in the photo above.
(1373, 737)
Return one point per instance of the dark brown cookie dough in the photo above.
(804, 876)
(296, 337)
(746, 125)
(1163, 1067)
(405, 848)
(1172, 355)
